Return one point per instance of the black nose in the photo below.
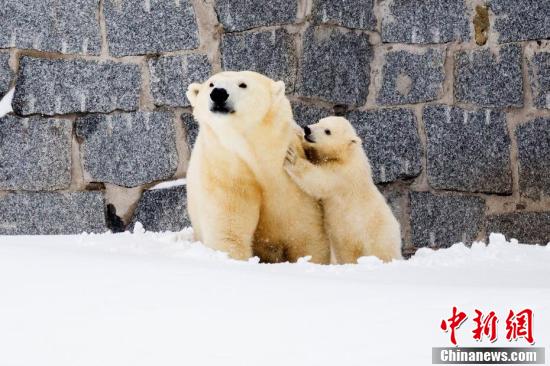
(219, 95)
(307, 130)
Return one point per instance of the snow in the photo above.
(5, 103)
(169, 184)
(162, 299)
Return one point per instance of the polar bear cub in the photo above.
(357, 219)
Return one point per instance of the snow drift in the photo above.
(161, 299)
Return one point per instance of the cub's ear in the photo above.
(279, 88)
(192, 93)
(355, 140)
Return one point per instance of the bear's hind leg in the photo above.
(314, 244)
(348, 251)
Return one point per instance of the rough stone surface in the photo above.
(52, 213)
(488, 80)
(306, 115)
(442, 220)
(347, 13)
(171, 75)
(35, 153)
(67, 86)
(425, 21)
(335, 65)
(539, 73)
(526, 227)
(391, 141)
(5, 73)
(128, 149)
(409, 77)
(66, 26)
(191, 128)
(138, 27)
(467, 150)
(238, 15)
(521, 20)
(394, 199)
(534, 157)
(162, 210)
(270, 53)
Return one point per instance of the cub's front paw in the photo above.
(291, 156)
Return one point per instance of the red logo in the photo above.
(485, 325)
(518, 325)
(453, 323)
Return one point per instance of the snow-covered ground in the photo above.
(170, 184)
(160, 299)
(5, 103)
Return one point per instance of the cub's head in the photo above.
(332, 138)
(237, 99)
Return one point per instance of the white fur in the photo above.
(357, 218)
(240, 200)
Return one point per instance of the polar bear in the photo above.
(240, 200)
(358, 221)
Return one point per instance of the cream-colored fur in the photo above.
(337, 171)
(239, 198)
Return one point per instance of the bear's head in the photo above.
(332, 138)
(236, 100)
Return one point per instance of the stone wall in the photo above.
(451, 98)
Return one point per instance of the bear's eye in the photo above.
(211, 85)
(327, 132)
(242, 85)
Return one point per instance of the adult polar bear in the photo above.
(239, 198)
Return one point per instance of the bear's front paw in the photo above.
(291, 156)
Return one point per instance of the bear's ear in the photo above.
(192, 92)
(279, 88)
(355, 140)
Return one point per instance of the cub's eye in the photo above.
(327, 132)
(211, 85)
(242, 85)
